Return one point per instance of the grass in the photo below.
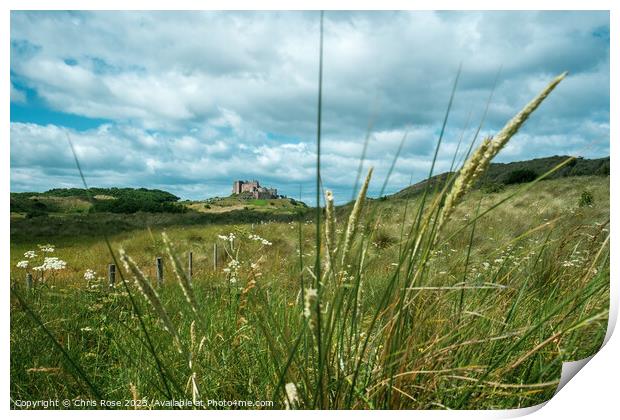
(528, 298)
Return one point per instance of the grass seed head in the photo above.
(479, 161)
(354, 217)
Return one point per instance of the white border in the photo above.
(593, 393)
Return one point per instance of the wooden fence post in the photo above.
(160, 271)
(190, 265)
(215, 256)
(111, 275)
(29, 280)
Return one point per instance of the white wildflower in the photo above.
(259, 239)
(233, 271)
(291, 396)
(47, 248)
(22, 264)
(89, 275)
(30, 254)
(51, 263)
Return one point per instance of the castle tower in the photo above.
(237, 185)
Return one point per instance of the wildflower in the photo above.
(330, 222)
(51, 263)
(22, 264)
(232, 270)
(30, 254)
(230, 238)
(291, 396)
(89, 275)
(86, 329)
(49, 248)
(259, 239)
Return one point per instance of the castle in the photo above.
(254, 188)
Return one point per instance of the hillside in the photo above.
(94, 200)
(246, 202)
(72, 201)
(501, 174)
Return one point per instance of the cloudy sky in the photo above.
(189, 102)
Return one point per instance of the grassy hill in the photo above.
(244, 202)
(95, 200)
(71, 201)
(500, 174)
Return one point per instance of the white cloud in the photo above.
(197, 99)
(17, 96)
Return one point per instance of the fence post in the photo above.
(160, 271)
(215, 256)
(190, 265)
(29, 280)
(111, 275)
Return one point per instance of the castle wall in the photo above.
(255, 189)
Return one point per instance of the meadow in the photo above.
(452, 298)
(500, 306)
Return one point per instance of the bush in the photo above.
(520, 176)
(586, 199)
(603, 170)
(36, 213)
(382, 239)
(492, 187)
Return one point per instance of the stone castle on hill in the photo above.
(254, 189)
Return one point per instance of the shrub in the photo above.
(36, 213)
(586, 199)
(520, 176)
(492, 187)
(603, 170)
(382, 239)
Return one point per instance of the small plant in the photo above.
(492, 188)
(382, 239)
(586, 199)
(520, 176)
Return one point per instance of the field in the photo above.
(398, 312)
